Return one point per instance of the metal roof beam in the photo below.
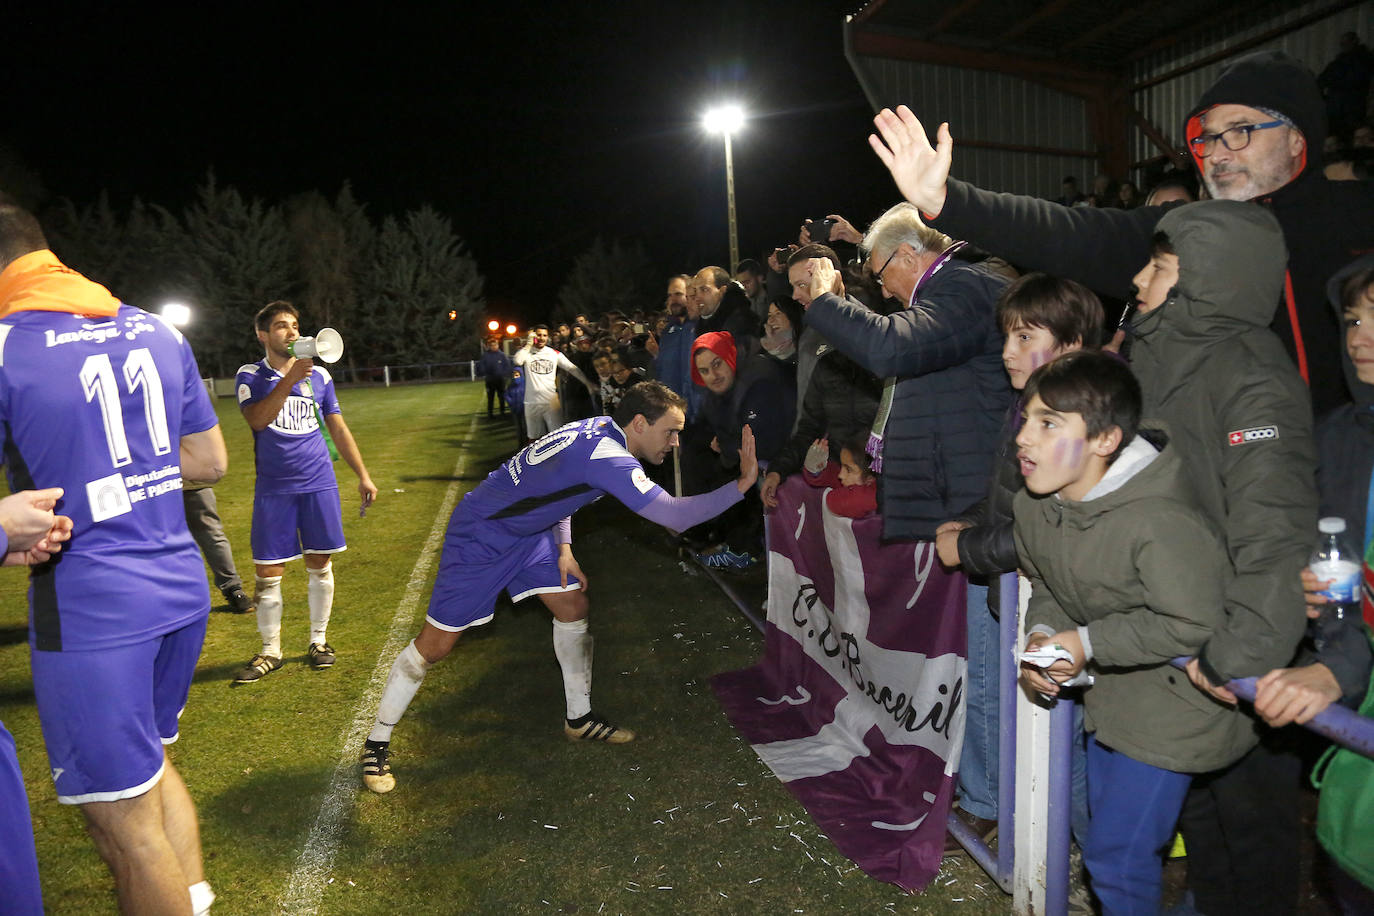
(1102, 28)
(951, 16)
(1064, 77)
(1045, 12)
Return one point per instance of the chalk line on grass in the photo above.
(311, 874)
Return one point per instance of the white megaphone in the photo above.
(326, 346)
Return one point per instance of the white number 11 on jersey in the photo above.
(140, 372)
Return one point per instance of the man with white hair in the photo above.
(939, 421)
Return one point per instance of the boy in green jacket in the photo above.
(1126, 574)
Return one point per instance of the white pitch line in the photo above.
(311, 874)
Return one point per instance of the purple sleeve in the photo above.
(562, 532)
(4, 542)
(197, 413)
(329, 402)
(680, 513)
(252, 386)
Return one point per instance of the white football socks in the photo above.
(267, 594)
(201, 898)
(319, 595)
(572, 643)
(407, 672)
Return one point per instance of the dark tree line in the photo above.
(388, 287)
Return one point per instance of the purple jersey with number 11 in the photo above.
(98, 407)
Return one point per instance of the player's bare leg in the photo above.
(402, 682)
(131, 837)
(182, 827)
(572, 644)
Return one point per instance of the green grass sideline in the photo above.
(494, 811)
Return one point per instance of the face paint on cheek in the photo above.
(1039, 358)
(1068, 453)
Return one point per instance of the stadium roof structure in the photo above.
(1101, 52)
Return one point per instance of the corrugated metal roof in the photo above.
(1088, 33)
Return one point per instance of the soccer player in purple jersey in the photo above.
(296, 506)
(29, 534)
(105, 401)
(514, 532)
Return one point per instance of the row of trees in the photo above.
(389, 288)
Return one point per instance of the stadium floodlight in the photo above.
(176, 314)
(510, 330)
(726, 120)
(493, 325)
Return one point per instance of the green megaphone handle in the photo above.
(319, 419)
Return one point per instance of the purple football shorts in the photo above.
(106, 713)
(287, 524)
(478, 563)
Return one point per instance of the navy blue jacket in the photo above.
(952, 392)
(494, 364)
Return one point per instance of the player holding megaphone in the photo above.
(289, 402)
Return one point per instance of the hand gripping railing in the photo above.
(1047, 892)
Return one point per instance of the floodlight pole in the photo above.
(730, 196)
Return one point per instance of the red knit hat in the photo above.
(721, 343)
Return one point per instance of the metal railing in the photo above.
(1036, 872)
(385, 375)
(1015, 869)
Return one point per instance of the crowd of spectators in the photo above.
(893, 376)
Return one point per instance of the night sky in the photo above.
(533, 127)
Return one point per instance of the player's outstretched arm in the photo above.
(203, 455)
(748, 461)
(570, 367)
(348, 451)
(919, 169)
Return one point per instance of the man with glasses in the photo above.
(1249, 137)
(938, 422)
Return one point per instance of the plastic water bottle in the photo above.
(1333, 559)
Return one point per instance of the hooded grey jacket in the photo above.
(1240, 417)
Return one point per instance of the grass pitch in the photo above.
(494, 812)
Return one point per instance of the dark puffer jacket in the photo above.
(840, 402)
(1345, 454)
(1211, 369)
(945, 351)
(987, 547)
(760, 398)
(736, 315)
(1325, 223)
